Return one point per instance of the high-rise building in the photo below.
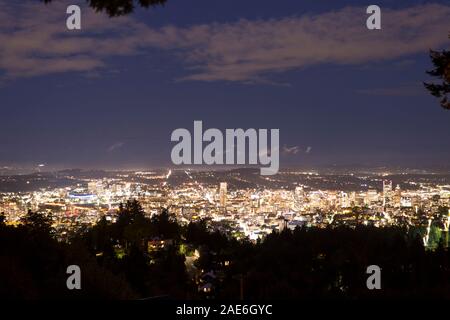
(95, 187)
(387, 192)
(397, 196)
(406, 202)
(223, 194)
(299, 197)
(344, 200)
(387, 186)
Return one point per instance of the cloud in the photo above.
(291, 150)
(295, 150)
(34, 41)
(116, 146)
(248, 50)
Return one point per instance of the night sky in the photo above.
(110, 95)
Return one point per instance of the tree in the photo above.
(116, 8)
(441, 62)
(130, 212)
(165, 225)
(37, 222)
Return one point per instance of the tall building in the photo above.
(387, 186)
(387, 192)
(406, 202)
(223, 194)
(344, 200)
(397, 196)
(299, 197)
(371, 197)
(95, 187)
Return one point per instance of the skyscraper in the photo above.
(387, 186)
(387, 192)
(223, 194)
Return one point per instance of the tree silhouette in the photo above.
(441, 62)
(116, 8)
(166, 226)
(37, 222)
